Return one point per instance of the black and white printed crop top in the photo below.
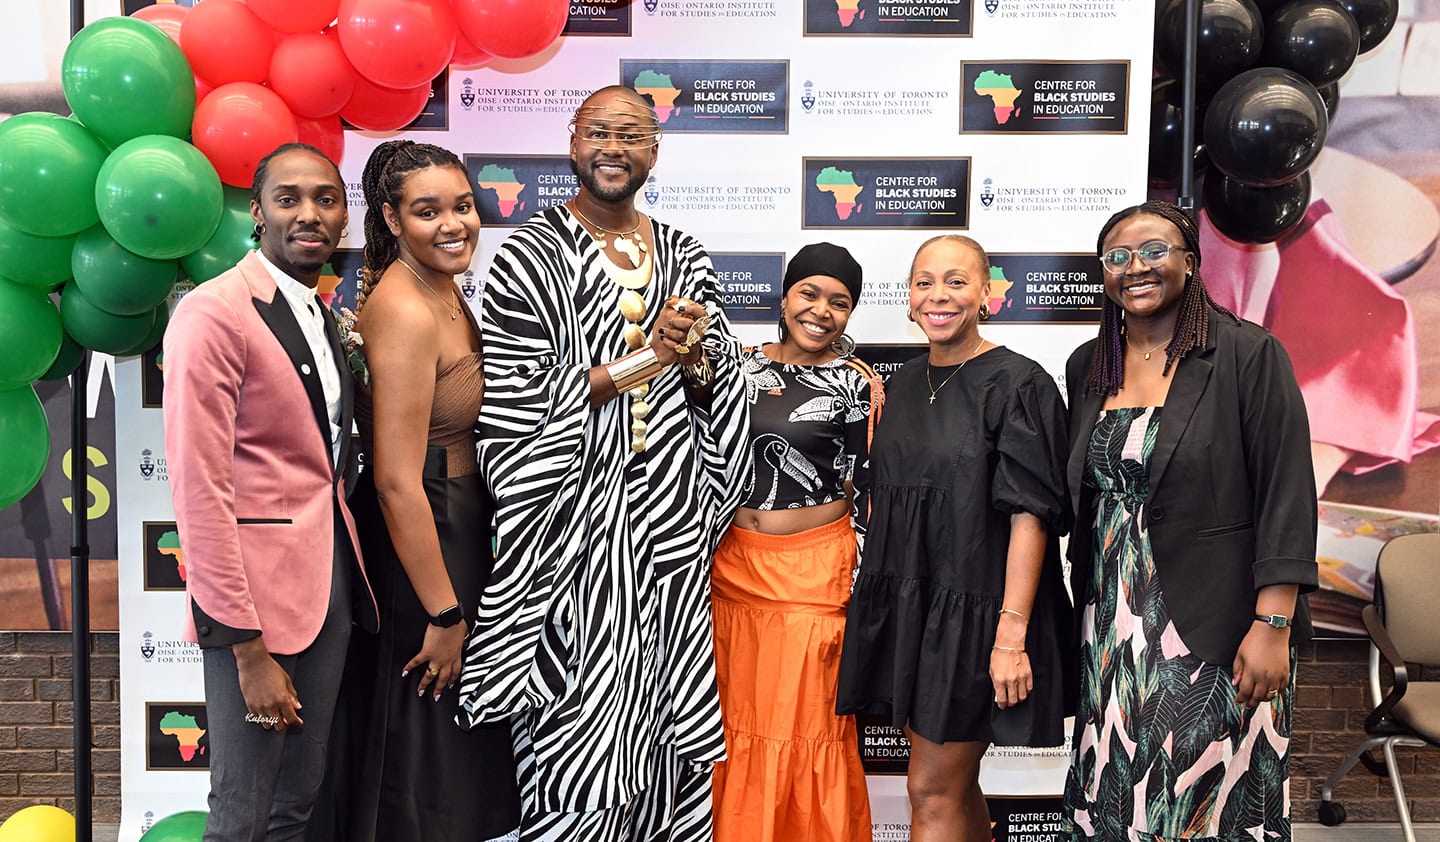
(810, 431)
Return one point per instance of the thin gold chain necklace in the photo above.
(453, 310)
(935, 390)
(1152, 350)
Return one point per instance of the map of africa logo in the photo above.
(848, 10)
(502, 182)
(1000, 88)
(1000, 287)
(662, 93)
(169, 544)
(840, 184)
(187, 732)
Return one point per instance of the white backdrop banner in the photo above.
(874, 125)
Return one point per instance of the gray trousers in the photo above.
(263, 784)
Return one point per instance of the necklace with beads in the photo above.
(935, 390)
(628, 243)
(452, 309)
(632, 308)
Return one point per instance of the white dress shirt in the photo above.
(306, 304)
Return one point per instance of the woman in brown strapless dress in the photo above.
(423, 514)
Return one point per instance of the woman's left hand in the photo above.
(1010, 670)
(1262, 666)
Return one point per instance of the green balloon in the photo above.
(124, 78)
(29, 335)
(98, 330)
(40, 262)
(188, 826)
(159, 197)
(230, 243)
(117, 280)
(48, 166)
(26, 434)
(157, 332)
(71, 353)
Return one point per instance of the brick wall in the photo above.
(36, 746)
(1331, 707)
(35, 741)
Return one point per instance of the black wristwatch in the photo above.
(449, 617)
(1279, 621)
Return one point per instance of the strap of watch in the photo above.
(1279, 621)
(449, 617)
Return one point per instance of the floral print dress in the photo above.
(1162, 749)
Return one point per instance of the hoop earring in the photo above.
(258, 232)
(843, 347)
(985, 312)
(345, 232)
(784, 329)
(910, 314)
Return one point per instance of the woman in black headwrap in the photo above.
(782, 574)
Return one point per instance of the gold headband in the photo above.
(590, 125)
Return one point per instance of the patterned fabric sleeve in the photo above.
(859, 432)
(531, 438)
(722, 428)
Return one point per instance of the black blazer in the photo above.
(1232, 503)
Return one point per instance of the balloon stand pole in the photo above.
(1186, 199)
(80, 596)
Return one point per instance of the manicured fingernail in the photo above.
(404, 673)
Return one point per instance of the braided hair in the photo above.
(384, 182)
(1192, 325)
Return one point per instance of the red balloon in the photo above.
(295, 15)
(511, 28)
(397, 43)
(467, 55)
(310, 72)
(202, 88)
(377, 109)
(167, 18)
(226, 43)
(237, 125)
(324, 134)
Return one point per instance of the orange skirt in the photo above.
(793, 770)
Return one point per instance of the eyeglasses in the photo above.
(1152, 254)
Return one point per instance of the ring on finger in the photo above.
(433, 671)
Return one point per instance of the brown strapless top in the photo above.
(459, 388)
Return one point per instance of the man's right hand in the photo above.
(269, 695)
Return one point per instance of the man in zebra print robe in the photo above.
(594, 635)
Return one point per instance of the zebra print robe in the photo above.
(595, 630)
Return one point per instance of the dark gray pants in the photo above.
(263, 783)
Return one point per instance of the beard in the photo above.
(622, 193)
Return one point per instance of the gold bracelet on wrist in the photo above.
(633, 369)
(1009, 649)
(1022, 617)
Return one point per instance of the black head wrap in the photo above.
(826, 259)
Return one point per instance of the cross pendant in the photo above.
(932, 398)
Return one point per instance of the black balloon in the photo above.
(1255, 214)
(1318, 39)
(1265, 126)
(1374, 17)
(1165, 131)
(1330, 95)
(1232, 33)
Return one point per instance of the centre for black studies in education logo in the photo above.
(1044, 97)
(510, 188)
(923, 18)
(886, 193)
(716, 97)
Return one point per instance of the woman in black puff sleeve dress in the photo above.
(958, 629)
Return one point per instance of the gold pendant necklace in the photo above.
(628, 243)
(1152, 350)
(935, 390)
(453, 310)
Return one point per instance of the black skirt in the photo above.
(404, 769)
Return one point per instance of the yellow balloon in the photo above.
(41, 823)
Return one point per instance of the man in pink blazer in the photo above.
(258, 408)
